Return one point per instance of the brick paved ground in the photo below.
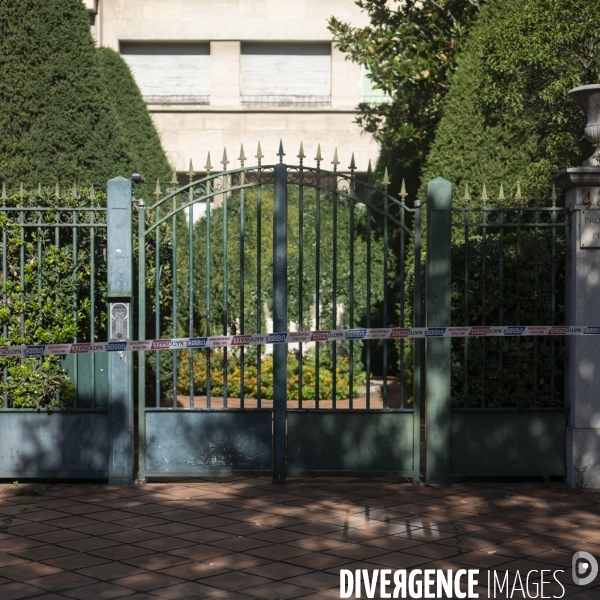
(243, 538)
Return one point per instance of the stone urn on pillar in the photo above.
(587, 97)
(582, 367)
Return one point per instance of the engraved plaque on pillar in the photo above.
(590, 228)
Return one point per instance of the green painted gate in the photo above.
(267, 249)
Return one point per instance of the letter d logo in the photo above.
(588, 562)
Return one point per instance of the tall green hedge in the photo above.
(465, 149)
(142, 142)
(56, 117)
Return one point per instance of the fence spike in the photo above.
(467, 196)
(224, 162)
(484, 196)
(207, 166)
(386, 179)
(536, 194)
(191, 172)
(157, 191)
(301, 154)
(369, 170)
(174, 178)
(335, 162)
(403, 193)
(259, 154)
(21, 192)
(74, 191)
(318, 157)
(518, 196)
(39, 190)
(242, 156)
(501, 194)
(57, 191)
(92, 193)
(4, 198)
(280, 152)
(553, 195)
(352, 163)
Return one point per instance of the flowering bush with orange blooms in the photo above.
(251, 379)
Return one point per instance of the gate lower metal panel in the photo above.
(197, 443)
(490, 443)
(339, 442)
(59, 444)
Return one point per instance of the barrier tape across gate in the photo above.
(294, 337)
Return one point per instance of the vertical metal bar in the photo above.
(4, 327)
(157, 304)
(142, 336)
(75, 306)
(300, 275)
(22, 266)
(466, 295)
(402, 300)
(242, 299)
(351, 311)
(439, 219)
(535, 304)
(417, 346)
(385, 299)
(501, 278)
(334, 294)
(93, 295)
(259, 305)
(208, 329)
(317, 277)
(191, 286)
(225, 288)
(483, 340)
(280, 322)
(174, 309)
(368, 342)
(553, 309)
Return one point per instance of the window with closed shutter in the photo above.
(285, 74)
(170, 73)
(369, 93)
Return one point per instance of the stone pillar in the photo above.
(582, 368)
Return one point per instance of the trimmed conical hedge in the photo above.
(465, 149)
(56, 118)
(143, 143)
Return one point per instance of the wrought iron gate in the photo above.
(254, 251)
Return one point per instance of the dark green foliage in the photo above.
(514, 277)
(532, 57)
(410, 50)
(144, 149)
(56, 117)
(47, 294)
(465, 149)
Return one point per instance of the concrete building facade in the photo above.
(220, 73)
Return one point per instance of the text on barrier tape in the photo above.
(295, 337)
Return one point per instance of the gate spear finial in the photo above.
(484, 196)
(386, 180)
(174, 178)
(467, 196)
(518, 196)
(224, 162)
(92, 194)
(191, 172)
(242, 156)
(208, 165)
(281, 153)
(318, 157)
(335, 162)
(157, 191)
(352, 166)
(501, 194)
(553, 195)
(259, 155)
(301, 154)
(57, 191)
(403, 192)
(39, 192)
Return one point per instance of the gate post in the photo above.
(280, 322)
(437, 409)
(119, 266)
